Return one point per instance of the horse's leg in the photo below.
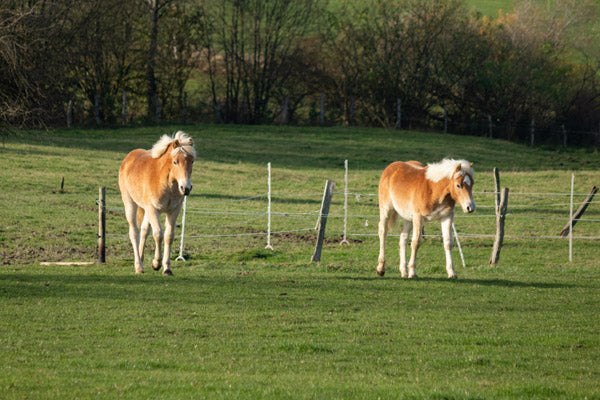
(403, 241)
(447, 234)
(134, 233)
(143, 235)
(415, 243)
(153, 217)
(384, 216)
(169, 235)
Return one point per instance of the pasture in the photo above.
(239, 321)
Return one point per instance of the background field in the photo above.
(239, 321)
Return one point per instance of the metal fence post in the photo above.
(269, 246)
(180, 257)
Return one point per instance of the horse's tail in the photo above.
(140, 216)
(392, 220)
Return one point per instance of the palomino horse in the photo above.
(422, 193)
(154, 182)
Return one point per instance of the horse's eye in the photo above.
(175, 162)
(458, 185)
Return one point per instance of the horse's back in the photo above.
(132, 171)
(402, 173)
(399, 183)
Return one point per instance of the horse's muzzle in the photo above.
(185, 190)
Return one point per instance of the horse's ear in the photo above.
(471, 165)
(458, 168)
(175, 144)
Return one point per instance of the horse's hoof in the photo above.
(454, 277)
(155, 265)
(167, 272)
(139, 271)
(381, 273)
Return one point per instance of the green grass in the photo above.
(238, 321)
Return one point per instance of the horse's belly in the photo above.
(438, 213)
(403, 211)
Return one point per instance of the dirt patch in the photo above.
(300, 237)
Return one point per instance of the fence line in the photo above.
(191, 207)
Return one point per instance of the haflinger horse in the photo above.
(421, 193)
(153, 182)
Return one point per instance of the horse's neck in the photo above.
(441, 192)
(164, 168)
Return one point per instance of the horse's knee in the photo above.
(158, 235)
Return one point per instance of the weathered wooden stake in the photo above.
(157, 108)
(184, 118)
(322, 110)
(101, 225)
(70, 114)
(327, 194)
(445, 119)
(500, 217)
(218, 116)
(97, 109)
(398, 114)
(283, 119)
(565, 231)
(124, 107)
(496, 189)
(532, 132)
(62, 185)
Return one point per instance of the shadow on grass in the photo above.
(480, 282)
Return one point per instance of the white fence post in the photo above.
(269, 246)
(462, 257)
(345, 239)
(180, 257)
(571, 220)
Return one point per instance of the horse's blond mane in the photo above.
(445, 168)
(186, 144)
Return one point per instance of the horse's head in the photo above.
(461, 188)
(182, 155)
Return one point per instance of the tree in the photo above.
(247, 45)
(156, 9)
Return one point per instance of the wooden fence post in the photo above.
(398, 114)
(283, 118)
(327, 194)
(218, 115)
(532, 132)
(445, 119)
(124, 107)
(184, 118)
(322, 110)
(565, 231)
(70, 114)
(101, 225)
(97, 109)
(500, 217)
(157, 108)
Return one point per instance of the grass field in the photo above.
(238, 321)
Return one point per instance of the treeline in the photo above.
(427, 62)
